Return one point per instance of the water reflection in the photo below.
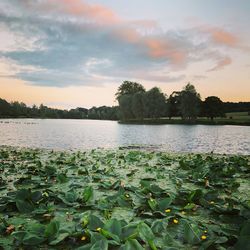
(88, 134)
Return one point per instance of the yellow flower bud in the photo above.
(203, 237)
(175, 221)
(168, 210)
(83, 238)
(98, 229)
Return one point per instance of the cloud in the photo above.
(72, 42)
(221, 64)
(76, 8)
(223, 37)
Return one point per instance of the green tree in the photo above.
(129, 88)
(213, 107)
(190, 102)
(125, 105)
(138, 100)
(20, 109)
(173, 105)
(155, 103)
(125, 96)
(5, 108)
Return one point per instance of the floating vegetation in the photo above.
(123, 199)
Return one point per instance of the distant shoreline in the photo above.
(183, 122)
(161, 121)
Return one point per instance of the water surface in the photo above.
(89, 134)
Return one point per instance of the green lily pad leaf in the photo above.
(98, 242)
(123, 213)
(94, 222)
(195, 195)
(101, 244)
(32, 239)
(190, 206)
(132, 244)
(36, 196)
(114, 226)
(36, 228)
(110, 235)
(159, 226)
(19, 235)
(152, 204)
(24, 206)
(146, 234)
(62, 178)
(50, 170)
(191, 232)
(244, 239)
(163, 204)
(88, 194)
(129, 231)
(23, 194)
(52, 230)
(59, 238)
(221, 240)
(71, 196)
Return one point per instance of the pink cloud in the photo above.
(221, 36)
(128, 31)
(94, 11)
(221, 64)
(76, 8)
(162, 49)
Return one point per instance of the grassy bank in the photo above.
(236, 118)
(123, 199)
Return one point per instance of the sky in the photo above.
(76, 53)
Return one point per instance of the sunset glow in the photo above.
(73, 53)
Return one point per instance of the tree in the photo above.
(5, 108)
(125, 96)
(129, 88)
(213, 107)
(138, 100)
(125, 104)
(190, 102)
(155, 103)
(173, 104)
(20, 109)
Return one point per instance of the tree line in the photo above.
(21, 110)
(137, 103)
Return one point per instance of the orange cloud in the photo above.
(95, 11)
(222, 63)
(79, 8)
(223, 37)
(161, 49)
(156, 48)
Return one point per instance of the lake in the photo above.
(88, 134)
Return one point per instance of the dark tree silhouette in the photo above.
(173, 105)
(213, 107)
(190, 103)
(154, 103)
(129, 88)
